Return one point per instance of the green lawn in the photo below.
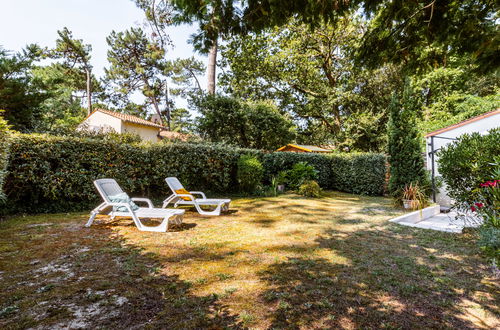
(284, 262)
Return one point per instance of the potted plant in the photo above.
(413, 197)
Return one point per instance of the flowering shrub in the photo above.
(487, 209)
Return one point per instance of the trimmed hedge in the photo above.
(53, 173)
(357, 173)
(279, 161)
(4, 154)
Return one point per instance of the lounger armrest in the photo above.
(127, 205)
(198, 193)
(145, 200)
(185, 195)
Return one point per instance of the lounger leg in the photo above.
(93, 214)
(214, 212)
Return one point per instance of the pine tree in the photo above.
(405, 157)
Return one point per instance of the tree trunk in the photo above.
(167, 107)
(89, 91)
(212, 63)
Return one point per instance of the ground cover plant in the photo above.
(280, 262)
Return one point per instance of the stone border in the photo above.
(419, 215)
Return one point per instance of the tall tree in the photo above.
(312, 75)
(76, 54)
(21, 96)
(399, 29)
(137, 64)
(214, 18)
(405, 155)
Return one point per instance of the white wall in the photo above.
(99, 121)
(147, 133)
(481, 126)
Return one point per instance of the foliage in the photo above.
(489, 241)
(310, 188)
(299, 173)
(455, 108)
(405, 157)
(51, 173)
(358, 173)
(415, 196)
(76, 56)
(334, 100)
(466, 163)
(414, 33)
(20, 94)
(256, 125)
(137, 65)
(250, 173)
(55, 173)
(4, 153)
(277, 162)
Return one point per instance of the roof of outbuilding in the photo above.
(308, 148)
(463, 123)
(128, 118)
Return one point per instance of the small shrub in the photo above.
(489, 242)
(310, 188)
(299, 173)
(466, 163)
(415, 196)
(250, 172)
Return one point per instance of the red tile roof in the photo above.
(173, 135)
(128, 118)
(465, 122)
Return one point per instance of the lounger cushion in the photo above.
(184, 192)
(122, 198)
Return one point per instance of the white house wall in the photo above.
(147, 133)
(481, 126)
(99, 121)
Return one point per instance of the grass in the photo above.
(281, 262)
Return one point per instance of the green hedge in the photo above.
(358, 173)
(4, 153)
(280, 161)
(52, 173)
(49, 173)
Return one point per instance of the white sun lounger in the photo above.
(109, 187)
(189, 199)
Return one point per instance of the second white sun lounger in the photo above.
(109, 189)
(181, 196)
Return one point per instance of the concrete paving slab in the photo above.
(446, 222)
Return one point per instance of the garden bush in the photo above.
(310, 188)
(4, 153)
(50, 173)
(358, 173)
(299, 173)
(249, 173)
(281, 161)
(466, 163)
(54, 173)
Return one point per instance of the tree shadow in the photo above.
(380, 278)
(94, 278)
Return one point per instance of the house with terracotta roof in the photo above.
(101, 120)
(440, 138)
(303, 148)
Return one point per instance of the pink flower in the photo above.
(473, 209)
(479, 205)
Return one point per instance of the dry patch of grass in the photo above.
(283, 262)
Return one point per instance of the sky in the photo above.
(36, 21)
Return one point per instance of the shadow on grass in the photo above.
(66, 276)
(383, 279)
